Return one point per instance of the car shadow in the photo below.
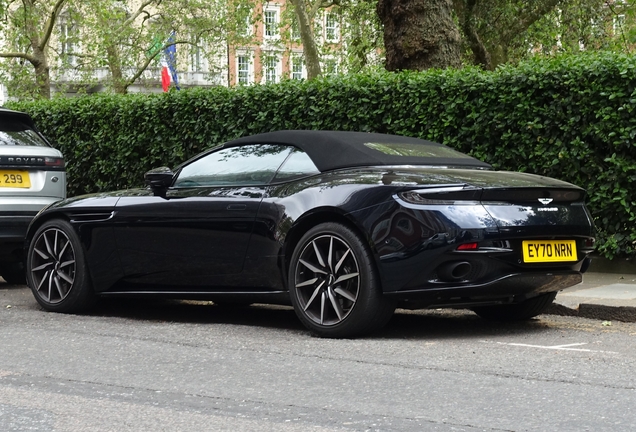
(422, 324)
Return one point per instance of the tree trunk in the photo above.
(42, 73)
(310, 49)
(114, 65)
(465, 10)
(419, 34)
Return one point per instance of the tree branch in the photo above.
(50, 23)
(24, 56)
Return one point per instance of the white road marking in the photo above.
(558, 347)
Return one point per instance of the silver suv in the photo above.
(32, 175)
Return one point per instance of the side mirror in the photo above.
(159, 179)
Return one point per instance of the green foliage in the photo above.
(572, 118)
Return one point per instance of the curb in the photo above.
(594, 311)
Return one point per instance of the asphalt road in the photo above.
(195, 366)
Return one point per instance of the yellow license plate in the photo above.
(549, 251)
(15, 179)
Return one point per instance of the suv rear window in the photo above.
(19, 134)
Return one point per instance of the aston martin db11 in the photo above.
(345, 226)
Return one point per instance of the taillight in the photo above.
(468, 246)
(54, 162)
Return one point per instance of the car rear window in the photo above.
(19, 134)
(416, 150)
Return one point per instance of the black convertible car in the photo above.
(346, 226)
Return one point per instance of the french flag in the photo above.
(169, 65)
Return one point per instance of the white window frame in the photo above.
(198, 61)
(331, 29)
(271, 74)
(68, 48)
(618, 23)
(248, 71)
(327, 60)
(294, 60)
(271, 28)
(248, 25)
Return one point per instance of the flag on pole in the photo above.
(169, 65)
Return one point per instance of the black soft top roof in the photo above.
(334, 149)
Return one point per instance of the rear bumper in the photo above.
(507, 289)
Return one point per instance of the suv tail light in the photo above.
(54, 162)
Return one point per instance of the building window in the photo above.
(332, 31)
(330, 67)
(295, 30)
(619, 24)
(271, 23)
(68, 42)
(198, 62)
(245, 20)
(243, 69)
(297, 68)
(271, 73)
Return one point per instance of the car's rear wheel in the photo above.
(334, 286)
(56, 269)
(517, 311)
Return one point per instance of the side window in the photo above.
(297, 165)
(253, 164)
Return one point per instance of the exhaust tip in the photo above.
(454, 271)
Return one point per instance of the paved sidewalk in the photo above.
(603, 296)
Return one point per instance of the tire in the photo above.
(56, 269)
(334, 286)
(13, 273)
(519, 311)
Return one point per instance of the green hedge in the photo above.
(569, 117)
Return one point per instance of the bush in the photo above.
(569, 117)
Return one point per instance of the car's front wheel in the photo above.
(333, 284)
(56, 269)
(518, 311)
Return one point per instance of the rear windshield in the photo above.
(19, 134)
(416, 150)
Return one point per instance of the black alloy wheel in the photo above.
(517, 311)
(56, 269)
(334, 286)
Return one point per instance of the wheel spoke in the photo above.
(55, 244)
(312, 267)
(314, 295)
(307, 283)
(63, 249)
(67, 263)
(344, 256)
(50, 286)
(318, 254)
(42, 254)
(48, 246)
(346, 294)
(322, 307)
(335, 304)
(345, 277)
(42, 267)
(58, 285)
(46, 274)
(330, 256)
(64, 276)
